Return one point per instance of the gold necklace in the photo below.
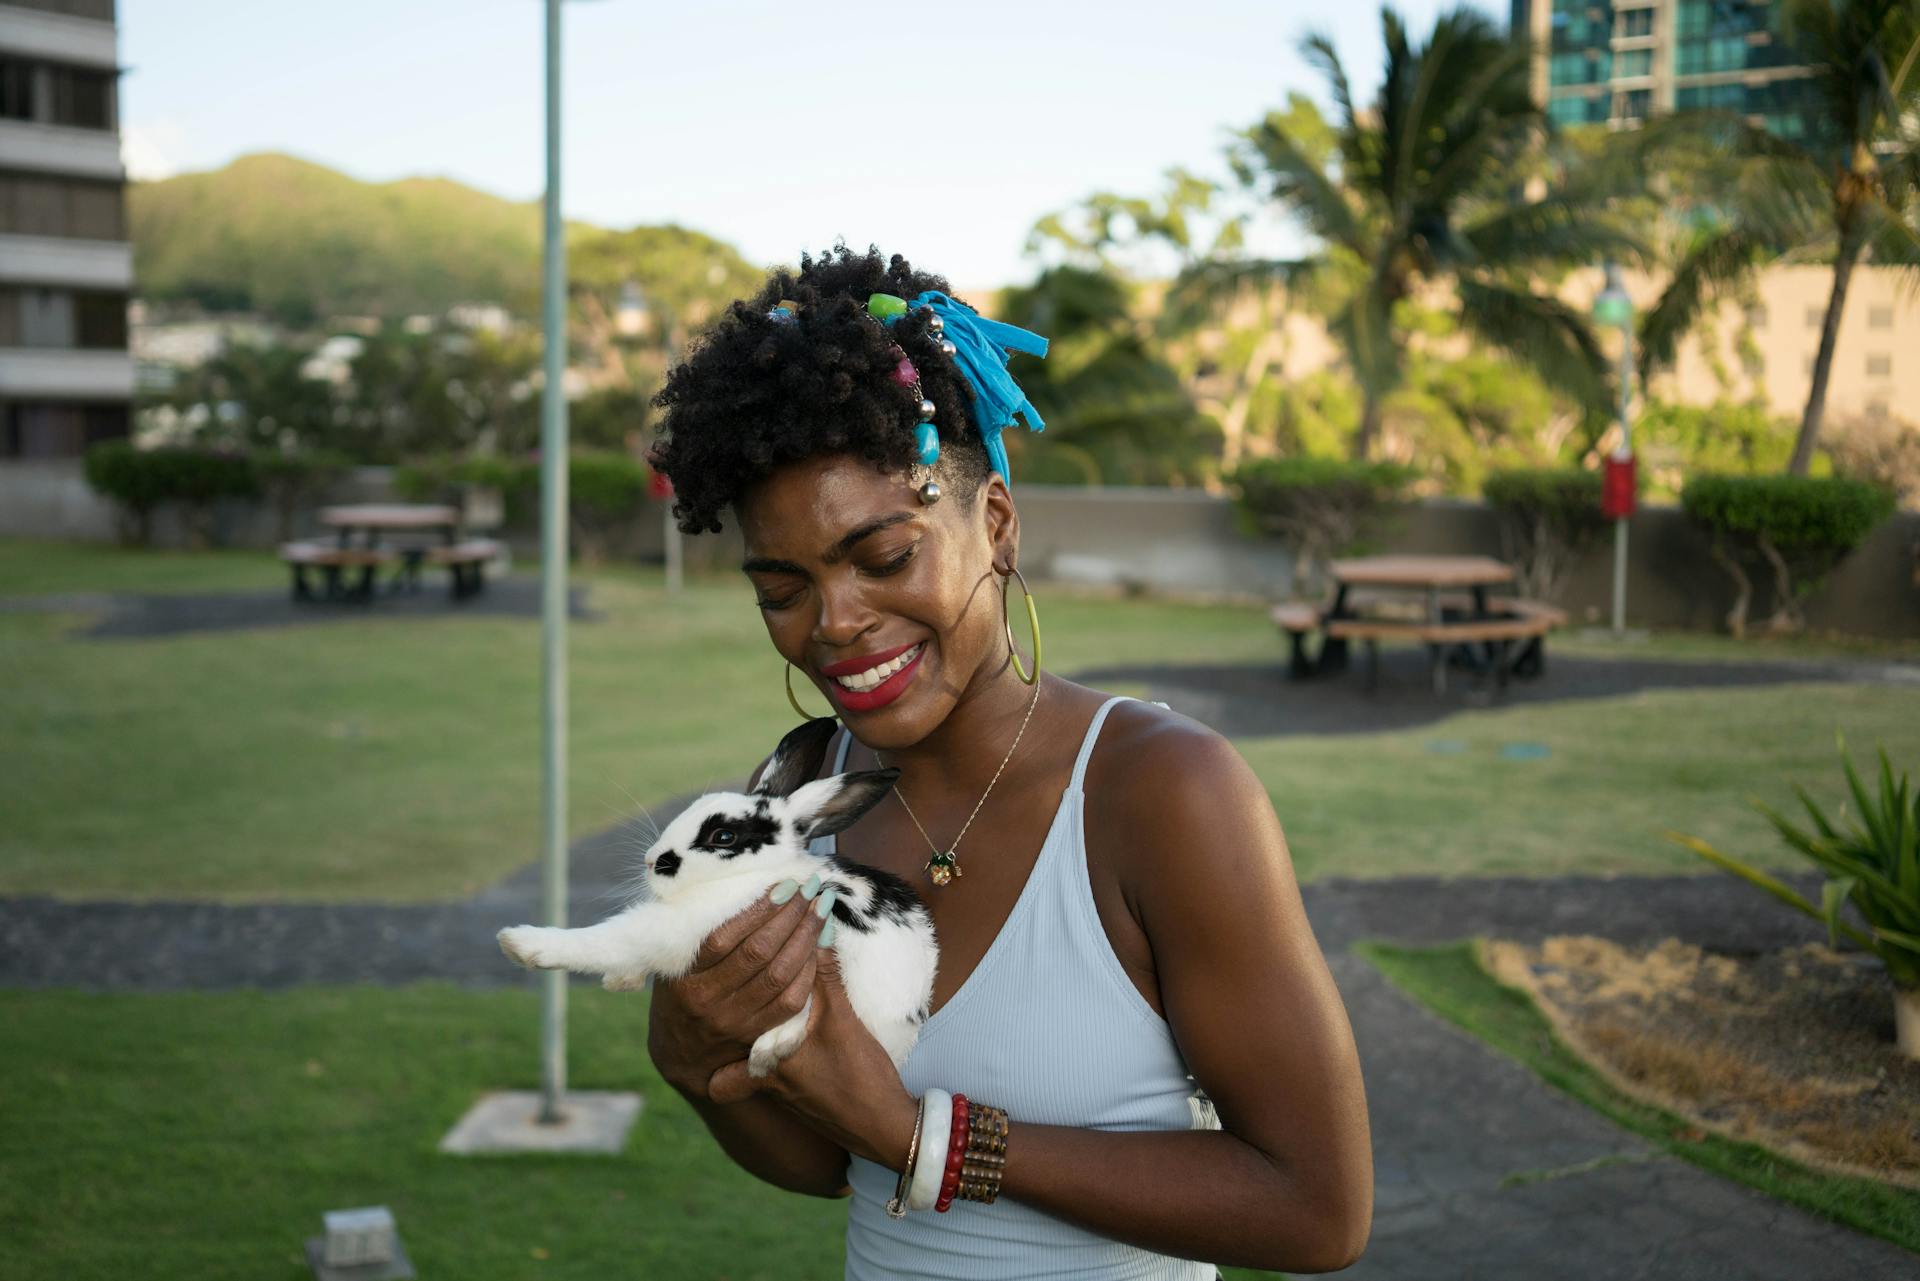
(944, 867)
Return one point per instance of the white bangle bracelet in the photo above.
(936, 1132)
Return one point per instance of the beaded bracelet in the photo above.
(956, 1154)
(984, 1157)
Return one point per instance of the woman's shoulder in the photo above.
(1162, 785)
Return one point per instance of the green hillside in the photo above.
(277, 234)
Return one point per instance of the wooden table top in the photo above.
(390, 516)
(1421, 571)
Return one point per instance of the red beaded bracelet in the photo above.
(956, 1154)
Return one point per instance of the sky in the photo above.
(939, 130)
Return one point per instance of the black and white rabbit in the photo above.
(721, 854)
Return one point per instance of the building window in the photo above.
(1880, 318)
(1756, 317)
(43, 205)
(1634, 62)
(50, 93)
(63, 318)
(1636, 104)
(1637, 22)
(1879, 366)
(50, 429)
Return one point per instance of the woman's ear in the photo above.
(1003, 523)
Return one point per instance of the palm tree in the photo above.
(1419, 191)
(1850, 186)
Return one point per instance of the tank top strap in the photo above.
(840, 759)
(1086, 745)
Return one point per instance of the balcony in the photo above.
(56, 260)
(87, 153)
(57, 374)
(58, 37)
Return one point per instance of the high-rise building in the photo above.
(66, 378)
(1618, 63)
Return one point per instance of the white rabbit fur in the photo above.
(721, 854)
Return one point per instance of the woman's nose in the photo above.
(844, 615)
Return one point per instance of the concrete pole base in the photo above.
(509, 1121)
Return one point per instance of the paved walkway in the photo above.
(1452, 1120)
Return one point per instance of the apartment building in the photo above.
(66, 267)
(1618, 63)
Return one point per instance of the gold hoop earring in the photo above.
(1033, 621)
(800, 711)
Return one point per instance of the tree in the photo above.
(1418, 191)
(1848, 187)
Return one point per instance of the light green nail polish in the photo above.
(811, 888)
(825, 906)
(827, 932)
(784, 890)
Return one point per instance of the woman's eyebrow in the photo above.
(835, 553)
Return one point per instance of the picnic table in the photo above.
(1493, 635)
(359, 530)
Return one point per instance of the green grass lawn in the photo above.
(201, 1136)
(1449, 981)
(399, 758)
(32, 567)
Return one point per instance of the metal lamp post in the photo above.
(1614, 308)
(553, 594)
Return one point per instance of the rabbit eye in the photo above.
(721, 836)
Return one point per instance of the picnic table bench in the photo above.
(1496, 636)
(358, 545)
(332, 562)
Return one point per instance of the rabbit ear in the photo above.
(832, 804)
(798, 757)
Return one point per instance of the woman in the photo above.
(1126, 969)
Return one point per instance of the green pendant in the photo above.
(943, 867)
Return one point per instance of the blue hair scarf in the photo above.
(981, 350)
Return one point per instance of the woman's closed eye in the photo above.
(891, 565)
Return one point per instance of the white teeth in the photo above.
(863, 681)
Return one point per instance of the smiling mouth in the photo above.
(860, 682)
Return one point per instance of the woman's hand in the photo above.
(752, 974)
(840, 1081)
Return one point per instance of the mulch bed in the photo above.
(1792, 1049)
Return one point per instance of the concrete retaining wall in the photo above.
(1160, 540)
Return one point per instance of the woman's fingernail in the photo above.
(827, 932)
(825, 905)
(811, 888)
(784, 890)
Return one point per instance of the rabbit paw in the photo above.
(524, 945)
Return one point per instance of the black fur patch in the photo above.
(749, 832)
(667, 864)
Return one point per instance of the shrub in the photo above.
(290, 480)
(605, 494)
(1872, 859)
(142, 479)
(1800, 526)
(1323, 506)
(118, 471)
(1548, 518)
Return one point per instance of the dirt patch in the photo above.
(1791, 1049)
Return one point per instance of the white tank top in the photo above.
(1049, 1027)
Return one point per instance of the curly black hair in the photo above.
(753, 393)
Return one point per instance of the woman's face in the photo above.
(854, 574)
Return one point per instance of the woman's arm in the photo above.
(1288, 1183)
(753, 973)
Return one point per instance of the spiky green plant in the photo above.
(1871, 859)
